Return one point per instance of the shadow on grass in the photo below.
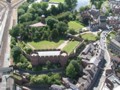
(54, 40)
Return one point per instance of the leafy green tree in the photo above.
(31, 10)
(54, 33)
(72, 31)
(76, 65)
(44, 6)
(16, 52)
(28, 50)
(54, 10)
(21, 11)
(24, 6)
(25, 17)
(61, 27)
(13, 41)
(15, 31)
(61, 7)
(71, 3)
(51, 21)
(70, 71)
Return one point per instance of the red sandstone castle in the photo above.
(55, 56)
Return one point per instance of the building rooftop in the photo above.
(103, 18)
(47, 53)
(39, 24)
(115, 42)
(114, 80)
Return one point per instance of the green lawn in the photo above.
(106, 5)
(70, 46)
(89, 36)
(57, 1)
(112, 34)
(75, 25)
(46, 44)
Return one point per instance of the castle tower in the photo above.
(43, 19)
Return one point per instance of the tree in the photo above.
(54, 33)
(15, 31)
(76, 65)
(21, 11)
(25, 17)
(54, 10)
(24, 6)
(70, 71)
(44, 6)
(71, 4)
(72, 31)
(28, 50)
(16, 52)
(61, 7)
(61, 27)
(51, 21)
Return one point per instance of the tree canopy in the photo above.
(71, 3)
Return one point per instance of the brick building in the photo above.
(55, 56)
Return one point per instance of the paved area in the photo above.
(63, 44)
(5, 44)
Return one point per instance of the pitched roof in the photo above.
(39, 24)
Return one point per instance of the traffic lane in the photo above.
(103, 40)
(5, 38)
(2, 10)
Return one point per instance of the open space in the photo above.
(75, 25)
(89, 36)
(57, 1)
(46, 44)
(70, 46)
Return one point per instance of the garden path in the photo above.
(63, 44)
(30, 46)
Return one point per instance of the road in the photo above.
(5, 25)
(103, 45)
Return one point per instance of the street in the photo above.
(6, 23)
(103, 45)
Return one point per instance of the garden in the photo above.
(89, 37)
(45, 44)
(59, 20)
(71, 46)
(77, 26)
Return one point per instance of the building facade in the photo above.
(55, 56)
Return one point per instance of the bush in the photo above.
(72, 31)
(45, 79)
(28, 50)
